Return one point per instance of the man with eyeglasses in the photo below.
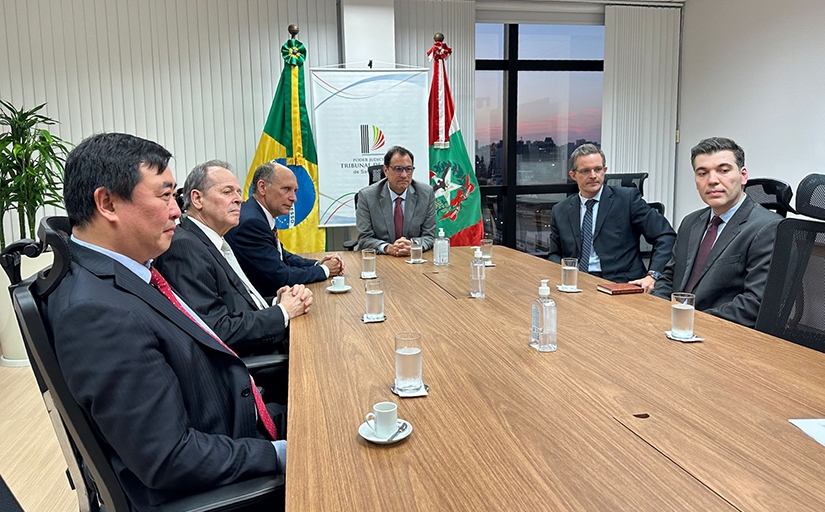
(601, 226)
(396, 208)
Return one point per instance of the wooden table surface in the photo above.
(619, 418)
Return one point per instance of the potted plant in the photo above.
(31, 166)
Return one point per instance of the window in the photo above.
(538, 97)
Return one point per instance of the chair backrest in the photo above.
(810, 196)
(793, 305)
(86, 450)
(659, 207)
(771, 193)
(375, 172)
(630, 179)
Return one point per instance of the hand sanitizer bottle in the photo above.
(477, 275)
(441, 252)
(543, 331)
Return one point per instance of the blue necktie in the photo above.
(587, 236)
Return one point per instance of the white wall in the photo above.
(198, 76)
(754, 71)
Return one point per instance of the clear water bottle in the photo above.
(543, 310)
(477, 274)
(441, 249)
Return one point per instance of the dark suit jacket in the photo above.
(375, 216)
(623, 217)
(734, 276)
(197, 271)
(254, 245)
(172, 404)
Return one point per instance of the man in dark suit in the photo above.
(255, 242)
(396, 208)
(723, 252)
(201, 266)
(616, 217)
(176, 408)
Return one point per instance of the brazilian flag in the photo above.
(287, 139)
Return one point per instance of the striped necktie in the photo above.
(587, 236)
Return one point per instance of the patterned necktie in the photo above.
(399, 218)
(704, 251)
(160, 283)
(278, 243)
(230, 258)
(587, 236)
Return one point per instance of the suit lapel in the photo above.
(234, 278)
(574, 214)
(732, 229)
(385, 205)
(105, 267)
(409, 207)
(696, 233)
(605, 203)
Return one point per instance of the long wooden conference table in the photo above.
(619, 418)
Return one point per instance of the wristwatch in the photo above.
(655, 274)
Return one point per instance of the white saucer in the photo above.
(368, 276)
(694, 339)
(366, 432)
(364, 319)
(345, 289)
(489, 264)
(559, 288)
(415, 262)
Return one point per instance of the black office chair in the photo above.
(631, 179)
(645, 248)
(89, 468)
(772, 194)
(8, 503)
(793, 305)
(374, 173)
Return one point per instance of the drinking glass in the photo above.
(375, 300)
(487, 251)
(415, 249)
(407, 361)
(367, 263)
(569, 274)
(681, 315)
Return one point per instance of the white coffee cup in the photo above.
(383, 420)
(338, 282)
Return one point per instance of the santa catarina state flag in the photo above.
(452, 176)
(287, 139)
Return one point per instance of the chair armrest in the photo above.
(233, 496)
(265, 361)
(349, 245)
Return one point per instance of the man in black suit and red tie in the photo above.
(255, 240)
(722, 252)
(175, 407)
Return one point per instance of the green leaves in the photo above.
(31, 165)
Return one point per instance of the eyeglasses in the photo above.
(398, 169)
(585, 172)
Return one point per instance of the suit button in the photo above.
(246, 392)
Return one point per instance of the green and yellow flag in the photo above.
(287, 139)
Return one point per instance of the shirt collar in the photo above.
(210, 233)
(139, 269)
(393, 195)
(728, 214)
(269, 218)
(597, 197)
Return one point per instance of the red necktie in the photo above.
(160, 283)
(399, 218)
(704, 251)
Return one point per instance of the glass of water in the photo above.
(681, 315)
(408, 361)
(569, 274)
(487, 251)
(375, 300)
(415, 249)
(367, 263)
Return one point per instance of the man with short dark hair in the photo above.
(722, 252)
(601, 225)
(176, 409)
(201, 266)
(255, 241)
(396, 208)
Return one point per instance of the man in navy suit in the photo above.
(616, 217)
(176, 408)
(255, 242)
(723, 252)
(201, 266)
